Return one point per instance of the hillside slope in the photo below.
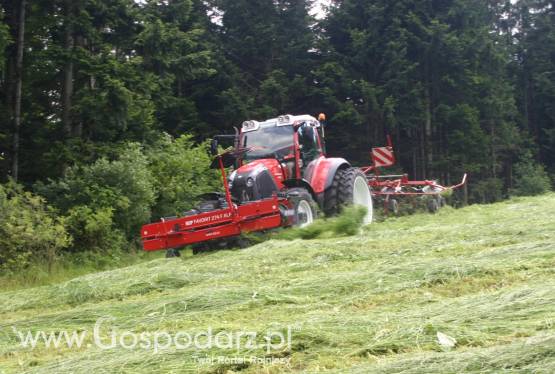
(483, 276)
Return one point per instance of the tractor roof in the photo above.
(285, 120)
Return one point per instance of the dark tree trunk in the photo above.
(493, 154)
(18, 88)
(428, 151)
(414, 162)
(67, 90)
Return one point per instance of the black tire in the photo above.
(221, 244)
(433, 205)
(302, 200)
(393, 206)
(341, 192)
(242, 242)
(209, 206)
(441, 201)
(170, 253)
(208, 246)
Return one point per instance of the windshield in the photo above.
(269, 142)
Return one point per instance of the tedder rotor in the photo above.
(391, 189)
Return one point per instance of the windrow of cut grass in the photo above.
(373, 302)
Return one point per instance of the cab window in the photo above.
(308, 140)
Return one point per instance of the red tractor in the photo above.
(281, 177)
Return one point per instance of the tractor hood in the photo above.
(259, 179)
(271, 164)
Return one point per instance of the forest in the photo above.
(106, 105)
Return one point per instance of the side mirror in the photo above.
(214, 147)
(322, 120)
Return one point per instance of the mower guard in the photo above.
(217, 224)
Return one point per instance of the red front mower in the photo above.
(280, 178)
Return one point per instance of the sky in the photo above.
(320, 13)
(318, 10)
(319, 7)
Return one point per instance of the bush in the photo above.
(105, 202)
(530, 178)
(28, 228)
(94, 229)
(181, 173)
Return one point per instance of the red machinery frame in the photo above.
(217, 224)
(390, 186)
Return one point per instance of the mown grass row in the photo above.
(373, 302)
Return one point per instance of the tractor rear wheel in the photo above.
(349, 187)
(304, 206)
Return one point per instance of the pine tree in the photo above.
(14, 86)
(434, 75)
(536, 73)
(5, 40)
(462, 86)
(173, 47)
(270, 45)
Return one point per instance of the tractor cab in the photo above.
(294, 141)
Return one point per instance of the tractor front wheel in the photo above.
(304, 206)
(349, 187)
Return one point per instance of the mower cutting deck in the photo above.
(229, 221)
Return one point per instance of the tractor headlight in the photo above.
(250, 126)
(231, 178)
(250, 182)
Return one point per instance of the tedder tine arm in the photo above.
(463, 182)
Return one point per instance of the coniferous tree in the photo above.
(432, 74)
(536, 72)
(270, 44)
(16, 16)
(460, 85)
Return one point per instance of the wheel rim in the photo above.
(304, 214)
(394, 206)
(362, 197)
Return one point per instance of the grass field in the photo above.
(484, 276)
